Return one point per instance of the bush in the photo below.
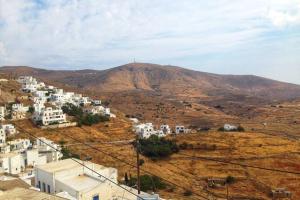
(67, 154)
(72, 110)
(221, 129)
(81, 118)
(155, 147)
(90, 119)
(230, 179)
(183, 145)
(187, 193)
(141, 162)
(31, 109)
(148, 183)
(240, 129)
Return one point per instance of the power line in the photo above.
(239, 164)
(132, 165)
(127, 163)
(76, 160)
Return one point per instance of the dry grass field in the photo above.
(271, 141)
(250, 148)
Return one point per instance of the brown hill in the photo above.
(166, 80)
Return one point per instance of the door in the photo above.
(96, 197)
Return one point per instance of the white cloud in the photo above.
(87, 33)
(283, 18)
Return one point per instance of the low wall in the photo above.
(64, 125)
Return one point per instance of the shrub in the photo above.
(148, 183)
(221, 129)
(183, 145)
(155, 147)
(72, 110)
(141, 162)
(240, 129)
(187, 193)
(67, 154)
(230, 179)
(91, 119)
(31, 109)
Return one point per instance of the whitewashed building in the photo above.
(48, 148)
(9, 129)
(4, 148)
(181, 129)
(146, 130)
(19, 107)
(73, 179)
(49, 116)
(19, 144)
(165, 129)
(2, 113)
(2, 136)
(11, 163)
(30, 84)
(228, 127)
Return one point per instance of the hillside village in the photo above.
(33, 160)
(44, 165)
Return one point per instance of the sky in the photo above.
(260, 37)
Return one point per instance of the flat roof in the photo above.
(8, 183)
(8, 155)
(69, 164)
(81, 182)
(59, 165)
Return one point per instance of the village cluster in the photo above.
(146, 130)
(46, 102)
(40, 163)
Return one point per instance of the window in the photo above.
(49, 189)
(39, 185)
(96, 197)
(44, 187)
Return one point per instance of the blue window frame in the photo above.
(96, 197)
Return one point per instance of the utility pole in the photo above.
(227, 191)
(138, 164)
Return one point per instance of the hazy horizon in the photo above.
(258, 37)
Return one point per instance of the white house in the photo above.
(181, 129)
(40, 93)
(228, 127)
(20, 107)
(44, 147)
(19, 144)
(96, 102)
(4, 148)
(38, 107)
(25, 79)
(97, 110)
(146, 130)
(165, 129)
(2, 113)
(9, 129)
(49, 116)
(11, 163)
(32, 157)
(73, 179)
(85, 100)
(19, 111)
(30, 84)
(2, 136)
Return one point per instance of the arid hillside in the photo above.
(271, 141)
(165, 80)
